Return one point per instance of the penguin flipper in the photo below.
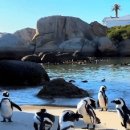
(106, 100)
(35, 126)
(58, 128)
(124, 125)
(91, 113)
(125, 121)
(15, 105)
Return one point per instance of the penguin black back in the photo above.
(43, 120)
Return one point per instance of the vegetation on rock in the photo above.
(119, 33)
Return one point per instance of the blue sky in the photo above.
(18, 14)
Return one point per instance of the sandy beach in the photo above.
(24, 120)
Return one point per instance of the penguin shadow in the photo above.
(21, 121)
(80, 125)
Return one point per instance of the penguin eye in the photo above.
(118, 102)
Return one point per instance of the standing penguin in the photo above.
(102, 98)
(6, 107)
(43, 120)
(123, 112)
(85, 108)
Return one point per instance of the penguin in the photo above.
(103, 80)
(66, 120)
(102, 101)
(85, 108)
(123, 112)
(6, 107)
(43, 120)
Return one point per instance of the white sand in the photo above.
(24, 120)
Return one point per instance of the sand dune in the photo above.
(24, 120)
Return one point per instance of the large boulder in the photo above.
(26, 34)
(124, 48)
(13, 72)
(106, 47)
(12, 46)
(11, 42)
(72, 45)
(98, 29)
(60, 88)
(49, 57)
(32, 58)
(64, 57)
(79, 44)
(55, 29)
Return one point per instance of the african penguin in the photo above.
(66, 120)
(6, 107)
(102, 98)
(85, 108)
(43, 120)
(123, 112)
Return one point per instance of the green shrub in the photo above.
(119, 33)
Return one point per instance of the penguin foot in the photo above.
(87, 127)
(93, 127)
(101, 109)
(10, 120)
(84, 128)
(3, 121)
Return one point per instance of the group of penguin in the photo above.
(43, 120)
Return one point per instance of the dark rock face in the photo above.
(26, 34)
(98, 29)
(124, 48)
(61, 57)
(106, 47)
(13, 47)
(64, 57)
(49, 58)
(32, 58)
(14, 72)
(60, 88)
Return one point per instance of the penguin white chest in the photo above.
(82, 110)
(101, 100)
(6, 110)
(120, 117)
(36, 120)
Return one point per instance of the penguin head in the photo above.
(5, 94)
(103, 88)
(119, 101)
(72, 116)
(90, 101)
(43, 110)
